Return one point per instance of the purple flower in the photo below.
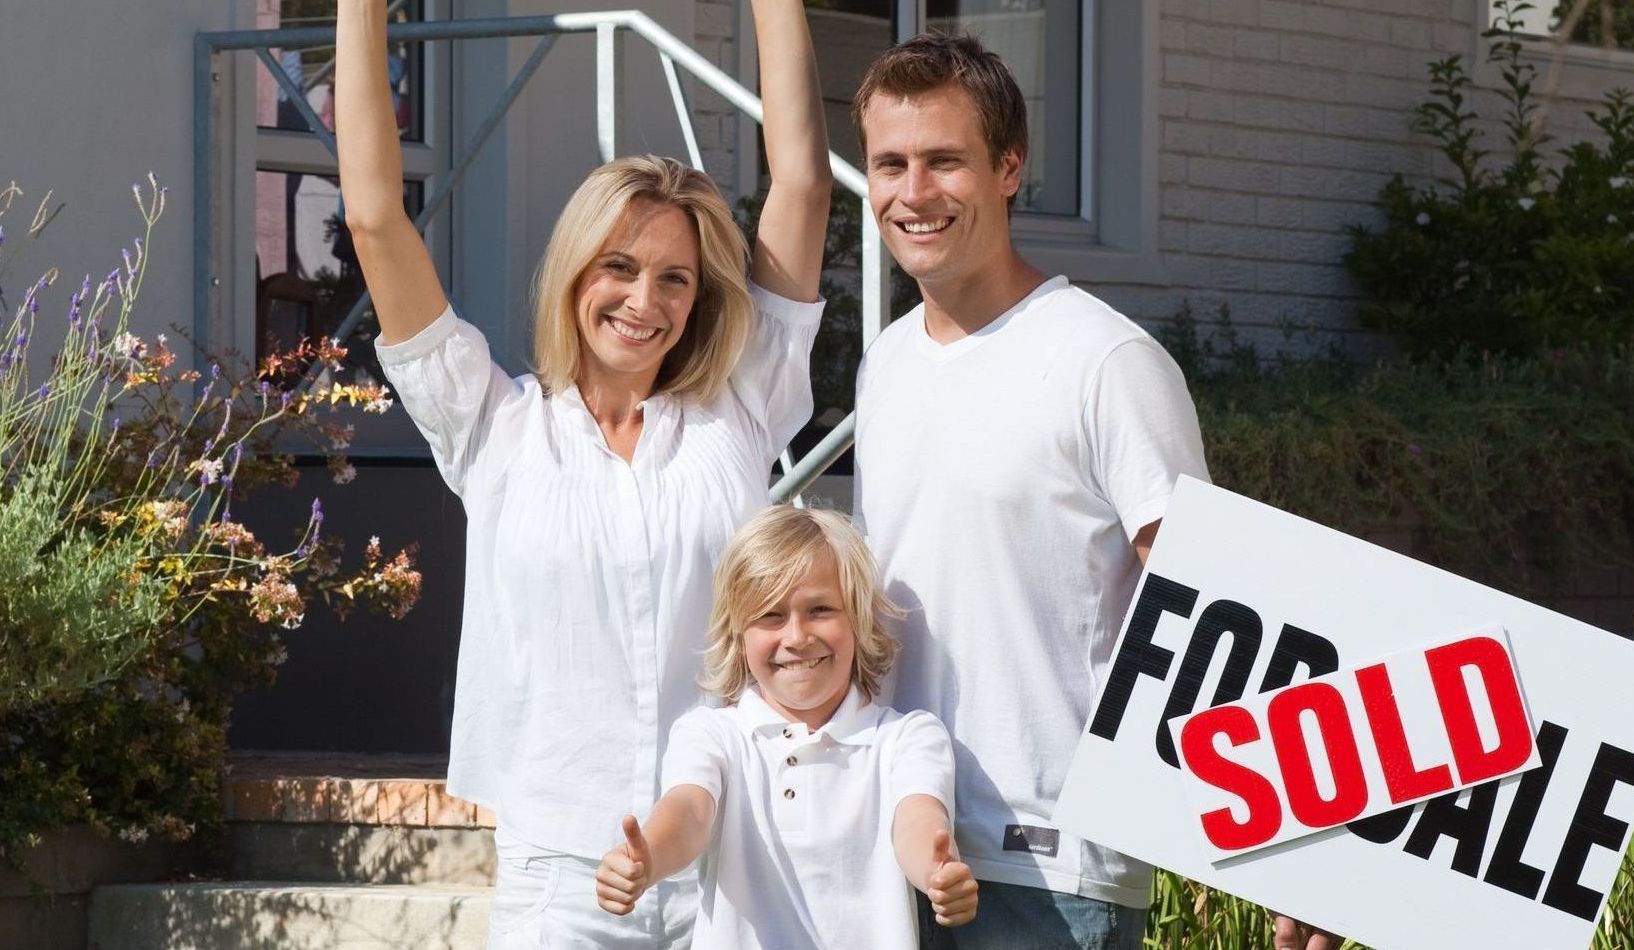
(130, 269)
(1413, 449)
(43, 391)
(2, 235)
(215, 372)
(317, 511)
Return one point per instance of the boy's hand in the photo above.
(952, 888)
(625, 872)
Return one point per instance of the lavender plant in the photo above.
(133, 606)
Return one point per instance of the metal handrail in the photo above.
(672, 53)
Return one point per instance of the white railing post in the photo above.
(608, 91)
(682, 113)
(876, 278)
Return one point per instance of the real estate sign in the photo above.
(1357, 739)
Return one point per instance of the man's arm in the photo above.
(924, 851)
(1143, 540)
(676, 833)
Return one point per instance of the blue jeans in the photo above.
(1013, 917)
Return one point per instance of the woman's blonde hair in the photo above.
(763, 562)
(699, 364)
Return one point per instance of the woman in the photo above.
(600, 489)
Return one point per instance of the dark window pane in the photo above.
(1605, 23)
(307, 277)
(1041, 43)
(313, 68)
(847, 35)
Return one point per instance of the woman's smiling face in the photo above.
(633, 302)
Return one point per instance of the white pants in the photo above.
(548, 900)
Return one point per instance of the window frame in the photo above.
(1544, 44)
(1113, 238)
(256, 149)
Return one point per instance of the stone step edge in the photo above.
(412, 803)
(287, 915)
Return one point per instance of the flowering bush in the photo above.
(1515, 258)
(133, 607)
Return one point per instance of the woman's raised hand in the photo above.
(788, 253)
(402, 281)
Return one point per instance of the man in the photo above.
(1017, 443)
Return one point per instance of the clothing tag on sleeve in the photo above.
(1032, 838)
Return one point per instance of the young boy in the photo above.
(813, 808)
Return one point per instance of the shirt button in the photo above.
(788, 733)
(788, 793)
(791, 760)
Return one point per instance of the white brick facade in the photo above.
(1278, 124)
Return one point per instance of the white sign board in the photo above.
(1240, 598)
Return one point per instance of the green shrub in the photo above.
(133, 608)
(1513, 259)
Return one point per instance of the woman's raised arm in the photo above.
(788, 255)
(402, 281)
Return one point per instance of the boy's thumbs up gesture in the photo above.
(952, 889)
(625, 872)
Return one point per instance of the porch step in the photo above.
(288, 916)
(334, 818)
(323, 850)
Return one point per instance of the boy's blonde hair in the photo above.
(764, 561)
(699, 364)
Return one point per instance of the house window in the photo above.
(1608, 24)
(1043, 43)
(306, 276)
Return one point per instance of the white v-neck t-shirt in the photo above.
(801, 855)
(588, 578)
(1000, 480)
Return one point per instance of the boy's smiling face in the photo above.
(801, 649)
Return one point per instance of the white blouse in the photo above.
(588, 579)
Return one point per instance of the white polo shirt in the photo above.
(588, 578)
(1000, 480)
(801, 855)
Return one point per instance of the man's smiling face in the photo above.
(941, 202)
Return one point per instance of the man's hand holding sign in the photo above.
(1276, 680)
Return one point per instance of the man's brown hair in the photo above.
(932, 60)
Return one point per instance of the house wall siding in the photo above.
(1279, 122)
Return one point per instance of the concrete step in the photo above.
(346, 818)
(288, 916)
(359, 854)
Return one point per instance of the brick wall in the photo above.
(714, 121)
(1278, 123)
